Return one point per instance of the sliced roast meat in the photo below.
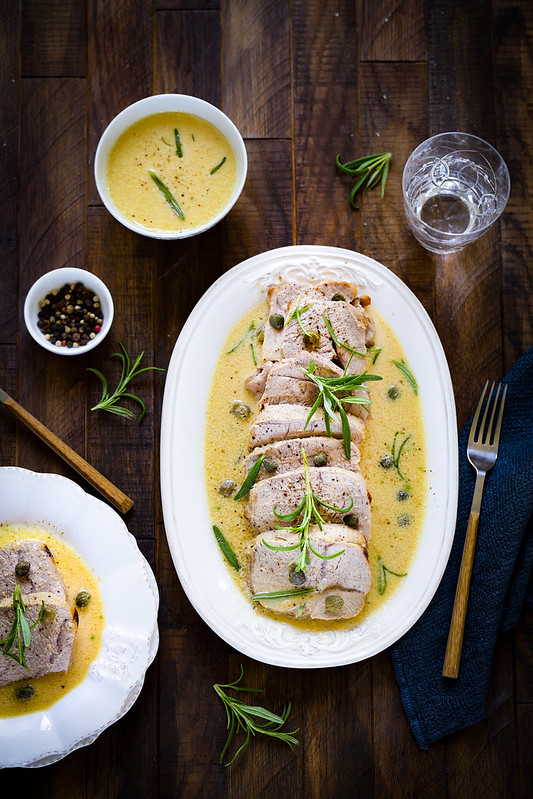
(43, 574)
(287, 383)
(338, 488)
(338, 289)
(257, 381)
(340, 582)
(280, 298)
(52, 640)
(285, 456)
(279, 422)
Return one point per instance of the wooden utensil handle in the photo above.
(457, 626)
(97, 480)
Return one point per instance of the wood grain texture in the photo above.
(53, 38)
(392, 30)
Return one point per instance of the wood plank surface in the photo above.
(304, 80)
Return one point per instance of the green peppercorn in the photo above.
(334, 603)
(351, 520)
(297, 577)
(311, 339)
(386, 462)
(393, 392)
(270, 466)
(320, 459)
(227, 487)
(338, 298)
(22, 569)
(404, 520)
(240, 409)
(82, 599)
(277, 321)
(48, 616)
(402, 495)
(24, 692)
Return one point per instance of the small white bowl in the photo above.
(160, 104)
(56, 279)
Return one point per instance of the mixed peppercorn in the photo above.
(70, 316)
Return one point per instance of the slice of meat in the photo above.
(279, 422)
(52, 641)
(338, 488)
(349, 328)
(280, 298)
(294, 339)
(257, 381)
(42, 576)
(345, 578)
(285, 456)
(287, 383)
(338, 289)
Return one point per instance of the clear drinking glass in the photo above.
(455, 186)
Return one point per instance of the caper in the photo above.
(386, 462)
(297, 577)
(404, 520)
(393, 392)
(260, 334)
(334, 603)
(22, 569)
(82, 599)
(48, 616)
(351, 520)
(240, 409)
(277, 321)
(227, 487)
(320, 459)
(25, 692)
(312, 339)
(338, 298)
(402, 495)
(270, 466)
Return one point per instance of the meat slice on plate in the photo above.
(43, 574)
(285, 456)
(338, 488)
(279, 422)
(280, 299)
(52, 640)
(341, 583)
(287, 383)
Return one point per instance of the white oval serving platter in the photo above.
(195, 553)
(130, 598)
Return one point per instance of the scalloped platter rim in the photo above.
(205, 579)
(130, 636)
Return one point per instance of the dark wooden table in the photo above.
(303, 80)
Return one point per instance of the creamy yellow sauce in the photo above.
(150, 146)
(77, 576)
(396, 523)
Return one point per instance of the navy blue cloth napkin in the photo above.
(501, 579)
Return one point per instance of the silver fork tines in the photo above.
(482, 451)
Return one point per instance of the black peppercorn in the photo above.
(67, 317)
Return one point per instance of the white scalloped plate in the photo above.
(130, 597)
(194, 550)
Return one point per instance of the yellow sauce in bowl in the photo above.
(197, 166)
(77, 576)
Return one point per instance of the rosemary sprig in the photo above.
(372, 169)
(295, 314)
(226, 550)
(108, 402)
(402, 366)
(288, 593)
(397, 452)
(382, 575)
(20, 630)
(251, 719)
(341, 343)
(308, 507)
(374, 352)
(179, 151)
(217, 167)
(248, 335)
(250, 479)
(167, 194)
(329, 389)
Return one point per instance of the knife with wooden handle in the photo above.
(97, 480)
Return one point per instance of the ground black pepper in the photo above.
(70, 316)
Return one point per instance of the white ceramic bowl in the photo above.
(159, 104)
(56, 279)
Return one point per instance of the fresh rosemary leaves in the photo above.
(397, 452)
(251, 719)
(250, 335)
(20, 630)
(408, 374)
(289, 593)
(382, 575)
(370, 169)
(167, 194)
(225, 548)
(250, 479)
(332, 394)
(108, 402)
(308, 507)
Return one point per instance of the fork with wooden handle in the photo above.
(482, 451)
(97, 480)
